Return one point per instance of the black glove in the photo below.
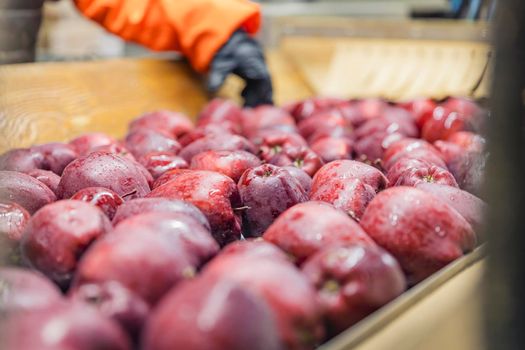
(243, 56)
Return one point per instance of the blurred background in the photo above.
(66, 35)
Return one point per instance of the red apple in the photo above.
(85, 143)
(115, 148)
(391, 122)
(217, 314)
(474, 115)
(203, 131)
(337, 172)
(24, 289)
(304, 109)
(300, 175)
(406, 146)
(412, 148)
(338, 132)
(294, 308)
(223, 142)
(168, 176)
(215, 194)
(443, 123)
(266, 191)
(230, 163)
(466, 163)
(184, 229)
(330, 149)
(58, 234)
(61, 326)
(24, 190)
(424, 234)
(256, 248)
(157, 163)
(367, 109)
(429, 174)
(280, 135)
(21, 159)
(272, 144)
(265, 117)
(146, 205)
(301, 157)
(375, 135)
(468, 205)
(107, 200)
(104, 169)
(223, 113)
(353, 281)
(143, 141)
(56, 156)
(370, 149)
(115, 302)
(305, 228)
(175, 124)
(468, 141)
(148, 254)
(350, 195)
(147, 175)
(48, 178)
(421, 109)
(328, 119)
(398, 168)
(13, 219)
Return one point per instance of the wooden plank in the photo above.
(56, 101)
(398, 326)
(450, 318)
(395, 69)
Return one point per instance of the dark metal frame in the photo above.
(505, 183)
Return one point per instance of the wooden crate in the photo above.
(57, 101)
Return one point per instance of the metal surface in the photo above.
(340, 27)
(505, 190)
(19, 24)
(375, 322)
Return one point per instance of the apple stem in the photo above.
(351, 213)
(189, 272)
(331, 286)
(242, 208)
(130, 193)
(428, 178)
(378, 163)
(298, 163)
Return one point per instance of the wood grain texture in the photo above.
(396, 69)
(57, 101)
(449, 318)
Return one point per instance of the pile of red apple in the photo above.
(265, 228)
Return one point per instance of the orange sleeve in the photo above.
(196, 28)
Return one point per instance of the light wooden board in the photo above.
(396, 69)
(442, 312)
(56, 101)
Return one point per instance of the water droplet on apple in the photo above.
(439, 231)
